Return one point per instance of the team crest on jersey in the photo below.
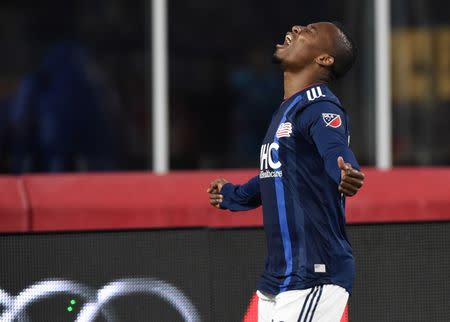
(284, 130)
(333, 120)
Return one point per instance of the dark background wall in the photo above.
(221, 75)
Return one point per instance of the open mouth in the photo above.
(287, 41)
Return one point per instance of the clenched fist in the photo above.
(351, 179)
(215, 187)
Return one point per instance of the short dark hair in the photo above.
(345, 53)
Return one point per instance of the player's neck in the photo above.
(296, 82)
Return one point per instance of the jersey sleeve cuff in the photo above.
(226, 191)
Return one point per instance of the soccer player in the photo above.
(306, 171)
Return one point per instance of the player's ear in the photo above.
(325, 60)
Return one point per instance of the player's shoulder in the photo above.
(322, 112)
(317, 103)
(319, 93)
(317, 97)
(317, 109)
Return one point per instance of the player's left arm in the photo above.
(328, 130)
(351, 179)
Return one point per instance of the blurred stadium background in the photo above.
(136, 89)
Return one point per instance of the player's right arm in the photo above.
(224, 195)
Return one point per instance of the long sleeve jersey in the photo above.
(297, 186)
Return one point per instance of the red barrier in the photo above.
(400, 195)
(136, 200)
(14, 209)
(145, 200)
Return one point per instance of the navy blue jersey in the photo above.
(304, 213)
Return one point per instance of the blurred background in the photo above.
(75, 81)
(80, 84)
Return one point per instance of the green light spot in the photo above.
(69, 309)
(73, 302)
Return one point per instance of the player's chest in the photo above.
(278, 144)
(282, 128)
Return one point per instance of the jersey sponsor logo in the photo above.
(266, 156)
(333, 120)
(284, 130)
(314, 93)
(270, 174)
(268, 166)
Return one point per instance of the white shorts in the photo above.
(325, 303)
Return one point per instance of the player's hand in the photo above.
(215, 187)
(351, 179)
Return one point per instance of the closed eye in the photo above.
(311, 28)
(307, 30)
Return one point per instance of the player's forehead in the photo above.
(325, 34)
(324, 27)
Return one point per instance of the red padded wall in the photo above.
(14, 210)
(143, 200)
(402, 194)
(136, 200)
